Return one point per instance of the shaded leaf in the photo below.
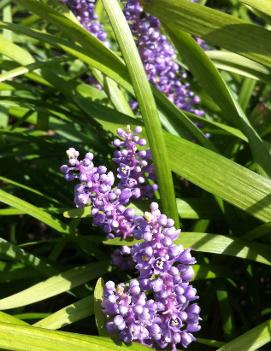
(70, 314)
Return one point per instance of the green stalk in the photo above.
(147, 106)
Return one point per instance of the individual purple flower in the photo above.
(84, 10)
(170, 316)
(134, 168)
(159, 58)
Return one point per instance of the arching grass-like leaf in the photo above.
(7, 318)
(99, 315)
(221, 176)
(11, 211)
(77, 212)
(10, 49)
(18, 254)
(35, 191)
(34, 211)
(28, 338)
(235, 63)
(220, 244)
(263, 6)
(228, 130)
(55, 285)
(251, 340)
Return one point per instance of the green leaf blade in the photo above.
(251, 340)
(54, 285)
(99, 315)
(70, 314)
(33, 211)
(221, 177)
(27, 338)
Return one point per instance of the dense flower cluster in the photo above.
(158, 309)
(96, 184)
(84, 10)
(159, 58)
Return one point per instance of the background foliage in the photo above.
(50, 255)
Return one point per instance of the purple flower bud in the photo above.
(135, 290)
(119, 322)
(123, 310)
(193, 328)
(129, 213)
(194, 308)
(147, 236)
(64, 169)
(190, 293)
(139, 309)
(186, 338)
(138, 130)
(157, 285)
(110, 285)
(188, 274)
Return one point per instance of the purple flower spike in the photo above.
(97, 187)
(159, 58)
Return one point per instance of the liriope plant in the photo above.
(169, 101)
